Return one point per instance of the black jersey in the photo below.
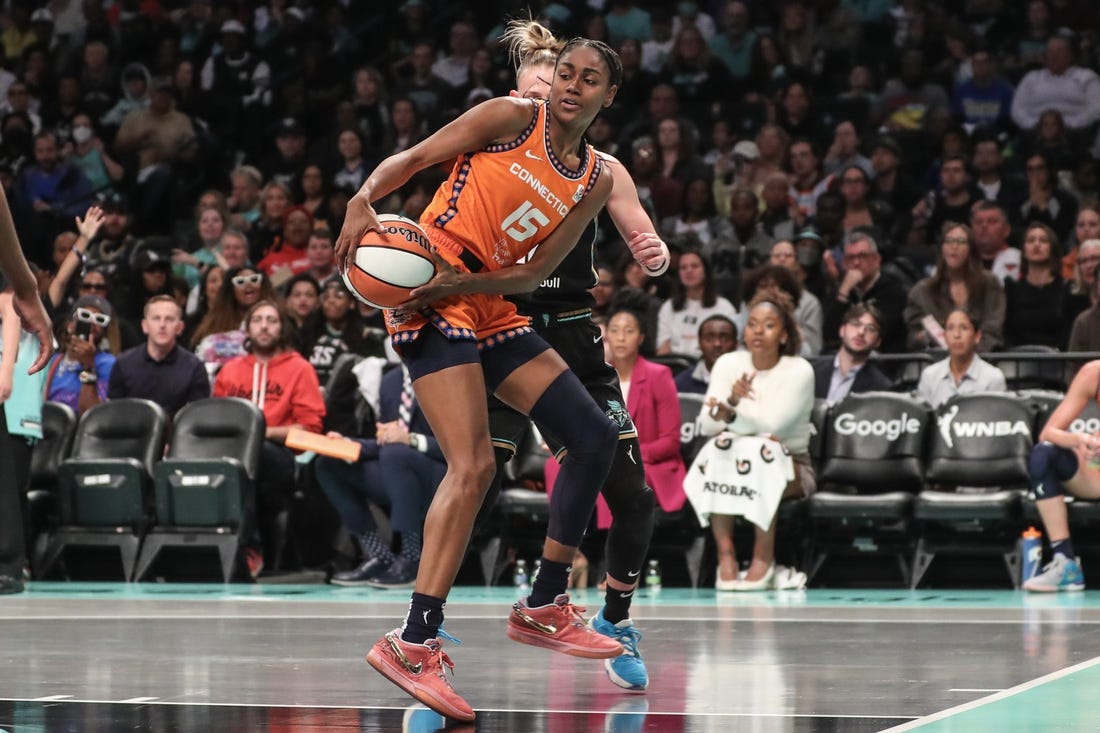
(328, 347)
(568, 285)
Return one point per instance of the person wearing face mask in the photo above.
(809, 251)
(88, 154)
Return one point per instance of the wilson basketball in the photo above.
(388, 264)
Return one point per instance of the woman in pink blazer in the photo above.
(654, 406)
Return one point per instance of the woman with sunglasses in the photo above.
(220, 335)
(78, 373)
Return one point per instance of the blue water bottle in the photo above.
(1031, 553)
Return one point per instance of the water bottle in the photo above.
(653, 577)
(1031, 553)
(520, 578)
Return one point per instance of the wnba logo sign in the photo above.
(951, 429)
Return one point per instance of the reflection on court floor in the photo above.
(107, 657)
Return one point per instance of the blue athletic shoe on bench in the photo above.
(627, 670)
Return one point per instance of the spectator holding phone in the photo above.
(78, 374)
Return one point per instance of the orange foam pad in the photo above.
(298, 439)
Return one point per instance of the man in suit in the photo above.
(399, 470)
(848, 371)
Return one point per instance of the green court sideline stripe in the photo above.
(997, 697)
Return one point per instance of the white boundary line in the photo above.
(1002, 695)
(503, 617)
(536, 711)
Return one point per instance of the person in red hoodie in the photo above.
(279, 381)
(289, 257)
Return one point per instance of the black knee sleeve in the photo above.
(632, 504)
(1048, 467)
(590, 437)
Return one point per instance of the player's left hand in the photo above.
(359, 218)
(443, 284)
(648, 249)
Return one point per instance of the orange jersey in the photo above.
(500, 202)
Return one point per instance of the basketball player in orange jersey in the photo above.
(560, 310)
(530, 180)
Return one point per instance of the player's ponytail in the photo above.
(530, 43)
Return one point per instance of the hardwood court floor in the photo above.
(161, 657)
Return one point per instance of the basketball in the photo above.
(387, 265)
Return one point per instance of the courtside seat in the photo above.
(977, 471)
(691, 404)
(871, 467)
(1039, 374)
(676, 362)
(947, 506)
(1045, 401)
(817, 439)
(907, 375)
(104, 496)
(58, 430)
(213, 458)
(522, 511)
(679, 534)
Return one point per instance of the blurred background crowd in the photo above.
(916, 156)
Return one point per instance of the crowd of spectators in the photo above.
(911, 157)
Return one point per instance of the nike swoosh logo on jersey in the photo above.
(531, 155)
(597, 339)
(633, 574)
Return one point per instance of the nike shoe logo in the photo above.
(531, 155)
(402, 659)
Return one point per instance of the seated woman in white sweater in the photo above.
(693, 300)
(766, 390)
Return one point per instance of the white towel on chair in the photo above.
(740, 475)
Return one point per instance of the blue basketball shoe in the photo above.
(1061, 573)
(626, 670)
